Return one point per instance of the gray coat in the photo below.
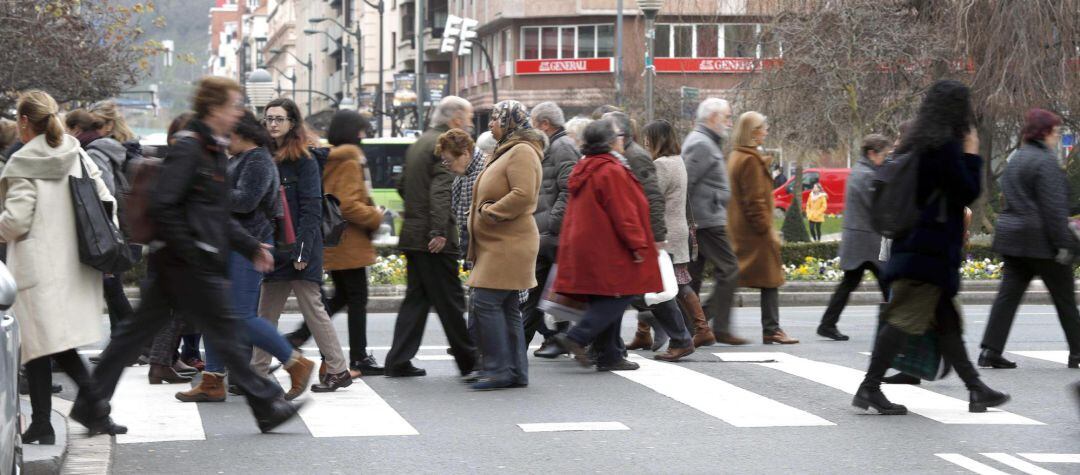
(1034, 220)
(641, 164)
(671, 174)
(559, 160)
(707, 187)
(859, 243)
(109, 156)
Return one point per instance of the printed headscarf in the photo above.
(511, 116)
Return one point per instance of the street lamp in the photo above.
(309, 65)
(381, 8)
(344, 50)
(650, 8)
(260, 88)
(291, 79)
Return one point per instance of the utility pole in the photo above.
(618, 53)
(420, 64)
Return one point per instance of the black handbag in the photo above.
(101, 245)
(333, 224)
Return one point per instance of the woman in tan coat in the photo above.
(60, 299)
(503, 244)
(756, 243)
(343, 177)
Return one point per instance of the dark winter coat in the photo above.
(1035, 219)
(253, 197)
(190, 203)
(425, 187)
(607, 219)
(932, 251)
(303, 191)
(859, 243)
(707, 185)
(641, 163)
(559, 160)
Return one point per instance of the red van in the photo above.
(833, 181)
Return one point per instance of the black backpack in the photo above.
(894, 204)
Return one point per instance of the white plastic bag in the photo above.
(671, 285)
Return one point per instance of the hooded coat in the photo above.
(343, 177)
(607, 220)
(60, 299)
(503, 236)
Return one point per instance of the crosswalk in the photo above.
(985, 463)
(154, 415)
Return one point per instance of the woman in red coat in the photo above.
(606, 252)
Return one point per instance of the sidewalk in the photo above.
(387, 298)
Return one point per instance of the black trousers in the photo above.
(351, 292)
(201, 296)
(533, 316)
(116, 300)
(1018, 274)
(432, 281)
(815, 230)
(851, 281)
(39, 378)
(714, 247)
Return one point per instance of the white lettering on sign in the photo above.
(727, 65)
(563, 66)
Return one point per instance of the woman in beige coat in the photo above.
(750, 222)
(60, 299)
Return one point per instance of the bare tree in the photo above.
(73, 49)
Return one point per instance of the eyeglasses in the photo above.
(275, 120)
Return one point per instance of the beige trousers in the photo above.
(272, 303)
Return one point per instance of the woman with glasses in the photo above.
(299, 270)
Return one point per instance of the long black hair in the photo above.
(945, 115)
(293, 144)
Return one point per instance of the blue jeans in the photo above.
(600, 326)
(244, 293)
(497, 323)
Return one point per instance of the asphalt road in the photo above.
(749, 410)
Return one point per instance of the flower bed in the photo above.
(391, 270)
(828, 270)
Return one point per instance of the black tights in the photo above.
(39, 377)
(815, 231)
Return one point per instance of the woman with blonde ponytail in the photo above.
(59, 298)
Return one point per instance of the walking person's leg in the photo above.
(116, 300)
(1018, 273)
(39, 379)
(837, 303)
(770, 319)
(322, 329)
(670, 319)
(604, 314)
(411, 320)
(352, 287)
(1059, 282)
(714, 245)
(519, 357)
(487, 307)
(951, 343)
(272, 299)
(534, 317)
(443, 286)
(163, 352)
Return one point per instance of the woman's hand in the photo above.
(637, 258)
(971, 142)
(299, 265)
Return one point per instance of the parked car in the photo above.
(833, 181)
(10, 420)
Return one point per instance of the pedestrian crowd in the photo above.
(563, 224)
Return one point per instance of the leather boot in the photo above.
(993, 359)
(982, 397)
(691, 307)
(888, 343)
(660, 337)
(182, 368)
(210, 389)
(165, 374)
(299, 369)
(675, 354)
(642, 337)
(40, 432)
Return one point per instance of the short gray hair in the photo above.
(550, 112)
(576, 126)
(486, 143)
(449, 107)
(710, 107)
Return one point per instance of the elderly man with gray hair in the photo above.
(559, 159)
(429, 238)
(708, 192)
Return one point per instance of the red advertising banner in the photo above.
(713, 65)
(563, 66)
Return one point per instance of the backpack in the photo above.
(136, 210)
(894, 202)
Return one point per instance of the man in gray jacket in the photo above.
(559, 160)
(708, 192)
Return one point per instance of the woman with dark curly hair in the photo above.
(924, 270)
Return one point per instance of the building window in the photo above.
(712, 41)
(408, 20)
(566, 42)
(507, 46)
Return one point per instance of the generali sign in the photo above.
(713, 65)
(563, 66)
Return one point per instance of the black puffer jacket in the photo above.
(641, 163)
(190, 203)
(559, 160)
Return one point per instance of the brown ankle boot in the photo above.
(675, 354)
(691, 305)
(299, 369)
(210, 389)
(165, 374)
(642, 338)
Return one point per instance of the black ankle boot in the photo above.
(982, 397)
(889, 341)
(993, 359)
(39, 432)
(871, 396)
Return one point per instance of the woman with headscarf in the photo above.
(503, 244)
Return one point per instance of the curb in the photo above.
(45, 459)
(85, 455)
